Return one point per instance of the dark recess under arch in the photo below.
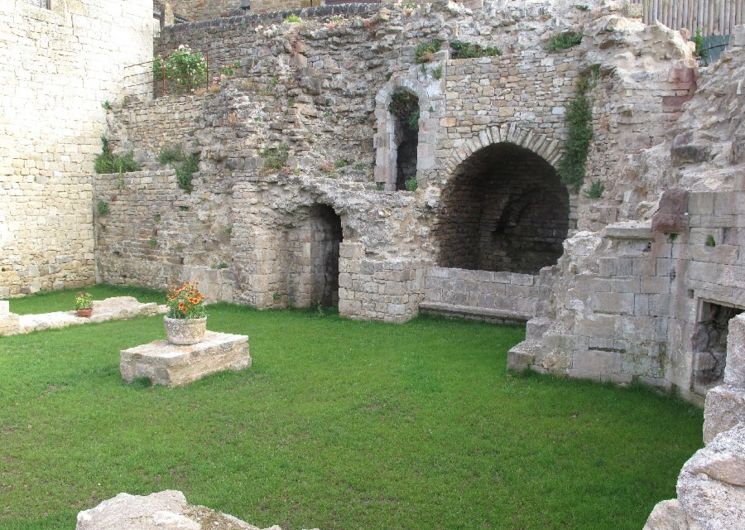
(505, 209)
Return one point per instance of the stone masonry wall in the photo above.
(487, 295)
(197, 10)
(61, 64)
(321, 89)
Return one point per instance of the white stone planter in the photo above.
(185, 331)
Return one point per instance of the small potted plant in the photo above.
(186, 320)
(83, 304)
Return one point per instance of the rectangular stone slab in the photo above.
(171, 365)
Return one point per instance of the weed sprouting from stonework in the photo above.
(411, 184)
(275, 157)
(102, 207)
(710, 241)
(293, 19)
(470, 50)
(437, 73)
(107, 162)
(595, 190)
(171, 154)
(186, 170)
(564, 41)
(184, 165)
(425, 51)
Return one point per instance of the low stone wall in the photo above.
(482, 294)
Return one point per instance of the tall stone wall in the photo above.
(322, 90)
(59, 66)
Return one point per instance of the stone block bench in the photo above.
(167, 364)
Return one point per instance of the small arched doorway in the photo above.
(325, 237)
(404, 108)
(505, 209)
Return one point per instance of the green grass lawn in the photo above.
(338, 424)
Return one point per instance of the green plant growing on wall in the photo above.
(405, 106)
(185, 171)
(184, 165)
(107, 162)
(102, 207)
(187, 69)
(698, 40)
(341, 163)
(171, 155)
(425, 51)
(152, 243)
(437, 73)
(595, 190)
(564, 41)
(293, 19)
(572, 166)
(710, 241)
(275, 157)
(229, 70)
(106, 105)
(469, 50)
(411, 184)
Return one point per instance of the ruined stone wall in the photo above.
(196, 10)
(60, 65)
(631, 303)
(321, 90)
(710, 488)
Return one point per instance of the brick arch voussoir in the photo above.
(547, 148)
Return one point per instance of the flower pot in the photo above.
(184, 331)
(86, 313)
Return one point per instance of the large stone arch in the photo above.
(547, 148)
(504, 207)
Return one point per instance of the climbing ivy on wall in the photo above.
(572, 166)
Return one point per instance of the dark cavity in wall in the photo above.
(405, 109)
(326, 234)
(710, 345)
(505, 209)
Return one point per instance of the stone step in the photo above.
(476, 313)
(522, 355)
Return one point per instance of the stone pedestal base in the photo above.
(170, 365)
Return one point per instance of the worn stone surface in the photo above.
(734, 371)
(185, 331)
(114, 308)
(165, 510)
(710, 486)
(724, 408)
(172, 365)
(672, 215)
(669, 515)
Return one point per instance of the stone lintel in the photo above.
(171, 365)
(629, 230)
